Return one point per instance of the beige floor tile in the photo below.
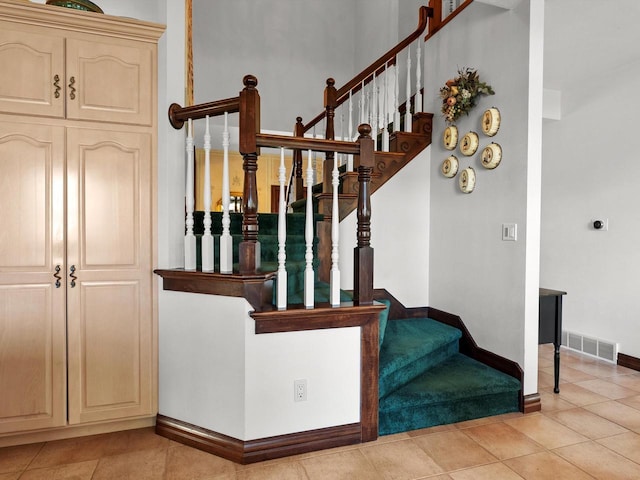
(487, 420)
(139, 465)
(546, 465)
(545, 380)
(580, 396)
(586, 423)
(626, 444)
(494, 471)
(440, 477)
(277, 471)
(603, 369)
(548, 433)
(72, 450)
(552, 401)
(134, 440)
(619, 413)
(16, 475)
(13, 459)
(429, 430)
(186, 463)
(600, 462)
(628, 381)
(607, 389)
(569, 375)
(72, 471)
(402, 460)
(502, 440)
(351, 465)
(467, 453)
(631, 401)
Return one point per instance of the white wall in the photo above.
(473, 272)
(589, 172)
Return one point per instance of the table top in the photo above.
(547, 292)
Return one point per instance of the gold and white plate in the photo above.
(467, 181)
(450, 137)
(491, 156)
(491, 121)
(449, 166)
(469, 144)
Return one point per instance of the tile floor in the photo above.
(590, 430)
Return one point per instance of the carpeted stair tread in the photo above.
(458, 389)
(412, 346)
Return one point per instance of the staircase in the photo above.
(426, 381)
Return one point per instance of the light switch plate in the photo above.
(509, 232)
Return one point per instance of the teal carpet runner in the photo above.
(424, 380)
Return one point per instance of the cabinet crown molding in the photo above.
(20, 11)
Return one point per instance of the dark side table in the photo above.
(550, 326)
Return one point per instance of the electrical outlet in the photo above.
(300, 390)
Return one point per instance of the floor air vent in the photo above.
(602, 349)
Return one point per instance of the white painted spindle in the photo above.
(281, 298)
(396, 97)
(226, 242)
(309, 277)
(189, 238)
(385, 112)
(206, 246)
(417, 103)
(335, 237)
(350, 156)
(363, 97)
(373, 120)
(407, 114)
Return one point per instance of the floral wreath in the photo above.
(459, 94)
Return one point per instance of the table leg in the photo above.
(556, 368)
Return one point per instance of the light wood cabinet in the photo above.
(78, 327)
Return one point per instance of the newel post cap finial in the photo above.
(250, 81)
(330, 82)
(364, 129)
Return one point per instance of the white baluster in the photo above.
(417, 103)
(385, 112)
(189, 238)
(407, 114)
(341, 155)
(396, 97)
(350, 156)
(373, 120)
(363, 119)
(282, 237)
(226, 242)
(335, 237)
(207, 240)
(309, 277)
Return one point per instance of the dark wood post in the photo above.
(363, 253)
(436, 17)
(249, 251)
(330, 104)
(298, 131)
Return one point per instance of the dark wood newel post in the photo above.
(330, 105)
(298, 187)
(363, 253)
(249, 251)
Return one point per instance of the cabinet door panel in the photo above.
(32, 308)
(30, 63)
(112, 81)
(110, 307)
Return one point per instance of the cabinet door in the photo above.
(110, 81)
(32, 72)
(110, 322)
(32, 306)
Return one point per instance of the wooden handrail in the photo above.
(438, 22)
(377, 67)
(303, 143)
(178, 114)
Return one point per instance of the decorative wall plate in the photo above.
(467, 181)
(469, 144)
(450, 137)
(449, 166)
(491, 156)
(491, 121)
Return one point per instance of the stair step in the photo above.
(458, 389)
(411, 347)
